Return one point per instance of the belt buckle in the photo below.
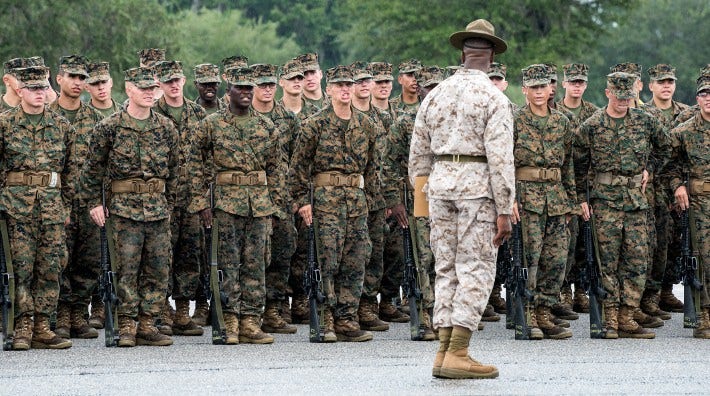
(253, 179)
(236, 178)
(455, 157)
(151, 187)
(336, 180)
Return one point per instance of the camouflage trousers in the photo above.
(282, 248)
(700, 208)
(241, 257)
(546, 246)
(187, 241)
(143, 255)
(671, 273)
(373, 269)
(38, 256)
(299, 259)
(659, 240)
(80, 277)
(392, 263)
(623, 252)
(575, 252)
(345, 250)
(462, 234)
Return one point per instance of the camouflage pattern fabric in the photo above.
(586, 109)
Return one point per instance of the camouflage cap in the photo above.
(703, 83)
(34, 61)
(98, 71)
(292, 69)
(429, 75)
(450, 70)
(73, 64)
(409, 66)
(705, 70)
(551, 71)
(141, 77)
(309, 62)
(661, 72)
(360, 71)
(339, 73)
(241, 76)
(235, 61)
(538, 74)
(207, 73)
(150, 56)
(381, 71)
(575, 72)
(496, 70)
(264, 73)
(621, 84)
(627, 67)
(168, 70)
(32, 77)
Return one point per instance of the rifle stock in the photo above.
(7, 289)
(216, 296)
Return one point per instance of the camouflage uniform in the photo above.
(309, 62)
(208, 73)
(397, 103)
(618, 151)
(228, 63)
(99, 71)
(470, 193)
(9, 68)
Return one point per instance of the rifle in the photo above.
(688, 265)
(520, 294)
(590, 280)
(504, 270)
(313, 284)
(411, 282)
(107, 279)
(214, 291)
(7, 289)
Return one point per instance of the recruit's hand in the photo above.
(515, 218)
(400, 214)
(586, 211)
(644, 180)
(681, 197)
(206, 217)
(99, 215)
(307, 214)
(504, 230)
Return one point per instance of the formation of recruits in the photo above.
(158, 153)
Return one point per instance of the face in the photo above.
(408, 83)
(141, 97)
(172, 89)
(500, 83)
(10, 81)
(362, 88)
(312, 80)
(240, 96)
(703, 98)
(424, 91)
(616, 105)
(662, 89)
(382, 90)
(638, 86)
(537, 95)
(207, 91)
(33, 98)
(553, 89)
(574, 89)
(70, 85)
(264, 92)
(340, 92)
(100, 90)
(292, 86)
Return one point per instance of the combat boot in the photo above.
(496, 300)
(444, 338)
(457, 363)
(425, 320)
(273, 322)
(98, 314)
(611, 323)
(329, 323)
(668, 302)
(368, 317)
(23, 333)
(183, 324)
(559, 321)
(646, 320)
(549, 329)
(202, 312)
(299, 309)
(165, 320)
(628, 327)
(44, 338)
(148, 334)
(563, 309)
(649, 304)
(285, 311)
(703, 329)
(231, 324)
(63, 326)
(534, 327)
(403, 305)
(250, 331)
(489, 314)
(79, 326)
(126, 331)
(580, 302)
(390, 313)
(350, 331)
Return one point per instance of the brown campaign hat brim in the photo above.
(457, 39)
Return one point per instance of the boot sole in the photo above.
(62, 345)
(143, 342)
(362, 338)
(84, 336)
(637, 336)
(436, 372)
(464, 374)
(124, 344)
(490, 318)
(247, 340)
(279, 330)
(558, 336)
(21, 347)
(364, 326)
(189, 333)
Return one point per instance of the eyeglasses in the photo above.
(703, 94)
(267, 86)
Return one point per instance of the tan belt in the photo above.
(234, 178)
(610, 179)
(138, 186)
(337, 179)
(699, 186)
(29, 178)
(535, 174)
(462, 158)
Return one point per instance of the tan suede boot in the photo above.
(202, 312)
(646, 320)
(628, 327)
(44, 338)
(534, 327)
(329, 322)
(444, 337)
(98, 313)
(165, 320)
(580, 301)
(549, 329)
(148, 334)
(425, 320)
(273, 322)
(250, 331)
(489, 314)
(299, 309)
(703, 329)
(126, 331)
(350, 331)
(183, 324)
(611, 323)
(231, 324)
(79, 326)
(367, 316)
(23, 333)
(496, 300)
(63, 326)
(457, 363)
(668, 301)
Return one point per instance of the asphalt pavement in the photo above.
(672, 363)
